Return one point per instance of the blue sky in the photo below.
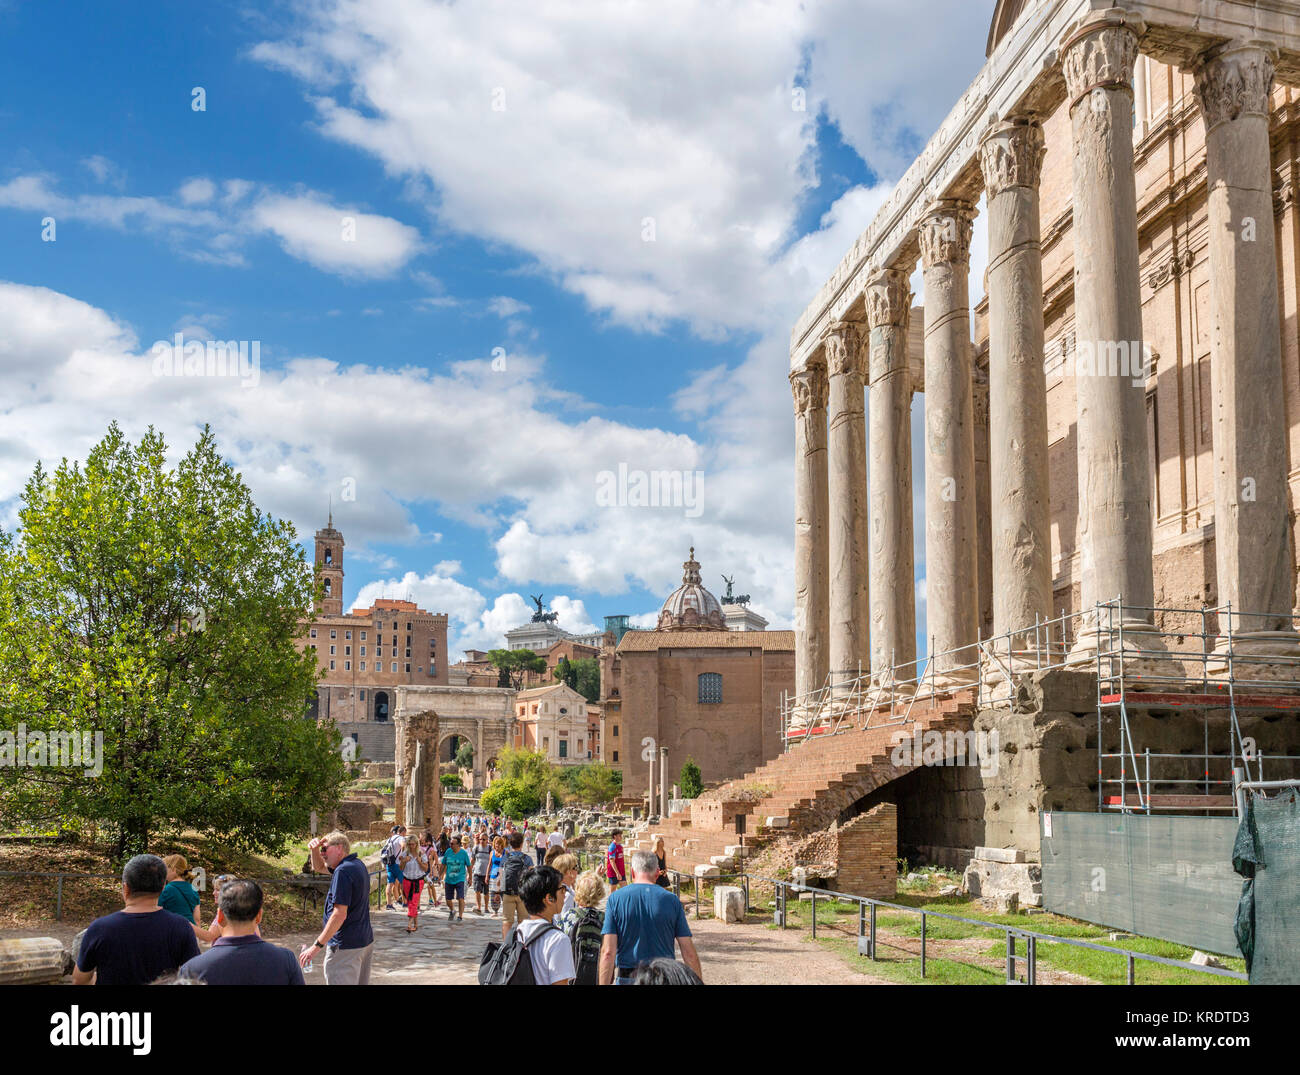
(618, 204)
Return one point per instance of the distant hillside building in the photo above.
(695, 688)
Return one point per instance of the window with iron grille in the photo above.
(710, 688)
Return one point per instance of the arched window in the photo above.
(381, 705)
(710, 688)
(328, 587)
(329, 556)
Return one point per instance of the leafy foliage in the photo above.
(586, 678)
(465, 754)
(159, 607)
(692, 782)
(513, 663)
(510, 797)
(531, 769)
(451, 781)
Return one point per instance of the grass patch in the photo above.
(905, 969)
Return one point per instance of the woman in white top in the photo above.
(415, 864)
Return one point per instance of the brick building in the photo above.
(364, 654)
(553, 720)
(695, 688)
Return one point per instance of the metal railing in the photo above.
(868, 932)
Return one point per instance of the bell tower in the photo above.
(329, 566)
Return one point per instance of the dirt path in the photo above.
(752, 954)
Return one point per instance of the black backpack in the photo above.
(585, 937)
(512, 872)
(509, 963)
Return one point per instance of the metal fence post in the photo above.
(1011, 958)
(814, 915)
(922, 944)
(1132, 975)
(873, 931)
(1032, 952)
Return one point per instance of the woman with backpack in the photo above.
(582, 924)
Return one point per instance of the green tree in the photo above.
(598, 783)
(565, 673)
(511, 665)
(159, 607)
(586, 678)
(692, 783)
(531, 769)
(451, 781)
(510, 797)
(465, 755)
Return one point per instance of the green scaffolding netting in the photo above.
(1267, 854)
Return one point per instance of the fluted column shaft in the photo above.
(893, 590)
(1011, 157)
(1253, 554)
(1113, 459)
(847, 494)
(811, 552)
(951, 538)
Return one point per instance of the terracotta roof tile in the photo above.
(644, 641)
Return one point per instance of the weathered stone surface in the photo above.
(729, 903)
(33, 961)
(1000, 854)
(811, 548)
(705, 872)
(1003, 880)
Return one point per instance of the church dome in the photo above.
(691, 607)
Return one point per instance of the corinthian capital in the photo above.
(1234, 80)
(888, 300)
(810, 388)
(1099, 53)
(1011, 155)
(945, 233)
(843, 342)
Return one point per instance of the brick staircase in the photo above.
(811, 785)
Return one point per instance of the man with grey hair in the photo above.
(643, 922)
(346, 936)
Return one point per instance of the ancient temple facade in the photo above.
(1118, 414)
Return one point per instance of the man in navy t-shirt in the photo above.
(141, 942)
(239, 956)
(642, 922)
(346, 935)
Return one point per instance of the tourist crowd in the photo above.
(553, 928)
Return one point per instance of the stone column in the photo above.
(1011, 158)
(1109, 367)
(847, 494)
(812, 622)
(951, 540)
(893, 587)
(1252, 533)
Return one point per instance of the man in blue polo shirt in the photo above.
(346, 936)
(643, 922)
(239, 956)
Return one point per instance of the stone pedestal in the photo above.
(811, 551)
(893, 589)
(1109, 366)
(847, 493)
(951, 538)
(1254, 557)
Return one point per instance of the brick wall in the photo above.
(868, 854)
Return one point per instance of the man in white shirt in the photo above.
(556, 839)
(548, 948)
